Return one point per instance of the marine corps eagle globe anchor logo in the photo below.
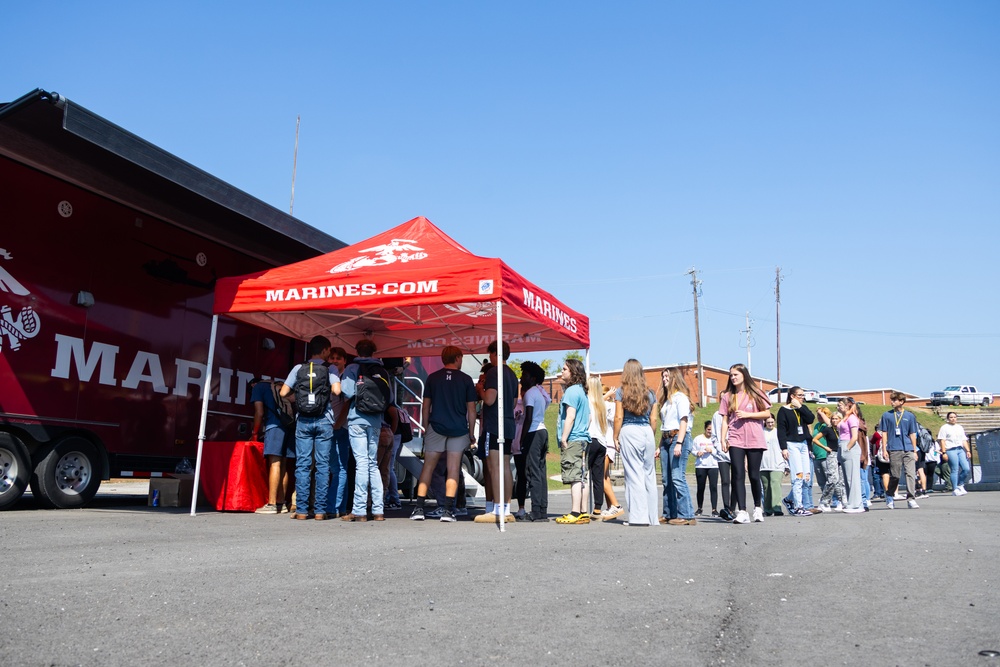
(27, 323)
(396, 250)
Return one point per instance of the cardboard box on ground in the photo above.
(174, 491)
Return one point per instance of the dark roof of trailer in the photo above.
(49, 133)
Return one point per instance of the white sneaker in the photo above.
(962, 489)
(758, 515)
(856, 510)
(838, 508)
(742, 517)
(889, 503)
(899, 496)
(912, 504)
(825, 508)
(956, 492)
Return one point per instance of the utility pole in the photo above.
(695, 284)
(749, 332)
(777, 320)
(295, 159)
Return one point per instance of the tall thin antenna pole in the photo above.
(295, 159)
(749, 332)
(695, 283)
(777, 319)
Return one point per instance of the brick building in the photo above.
(715, 380)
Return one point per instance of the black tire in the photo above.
(986, 401)
(474, 466)
(15, 470)
(68, 475)
(957, 400)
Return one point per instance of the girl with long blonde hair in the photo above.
(744, 407)
(675, 446)
(601, 453)
(633, 438)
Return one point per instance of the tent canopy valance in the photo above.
(412, 289)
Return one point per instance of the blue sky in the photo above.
(603, 149)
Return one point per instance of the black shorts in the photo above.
(881, 467)
(488, 443)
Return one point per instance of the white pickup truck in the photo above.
(961, 394)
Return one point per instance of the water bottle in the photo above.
(156, 497)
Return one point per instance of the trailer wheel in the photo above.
(68, 475)
(15, 470)
(473, 465)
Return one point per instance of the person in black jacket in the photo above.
(793, 425)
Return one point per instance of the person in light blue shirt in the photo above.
(573, 427)
(363, 430)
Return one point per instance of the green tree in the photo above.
(574, 354)
(515, 365)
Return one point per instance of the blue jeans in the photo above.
(392, 493)
(877, 487)
(313, 440)
(339, 456)
(866, 486)
(676, 492)
(800, 468)
(960, 470)
(807, 486)
(364, 445)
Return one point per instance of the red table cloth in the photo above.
(233, 475)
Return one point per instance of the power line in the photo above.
(911, 334)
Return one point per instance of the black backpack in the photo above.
(285, 411)
(312, 378)
(371, 394)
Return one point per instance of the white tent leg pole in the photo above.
(205, 391)
(501, 362)
(586, 471)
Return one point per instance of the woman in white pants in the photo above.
(850, 456)
(634, 440)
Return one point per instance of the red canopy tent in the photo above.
(412, 289)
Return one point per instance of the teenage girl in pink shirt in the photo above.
(744, 408)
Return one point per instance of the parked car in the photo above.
(780, 395)
(961, 394)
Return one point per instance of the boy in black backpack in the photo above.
(312, 383)
(366, 383)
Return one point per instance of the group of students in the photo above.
(345, 421)
(746, 441)
(341, 424)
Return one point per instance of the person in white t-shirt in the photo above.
(601, 452)
(953, 443)
(675, 445)
(706, 469)
(772, 470)
(535, 439)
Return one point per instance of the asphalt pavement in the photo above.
(120, 583)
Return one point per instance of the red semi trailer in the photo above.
(109, 252)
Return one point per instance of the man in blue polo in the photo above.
(898, 429)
